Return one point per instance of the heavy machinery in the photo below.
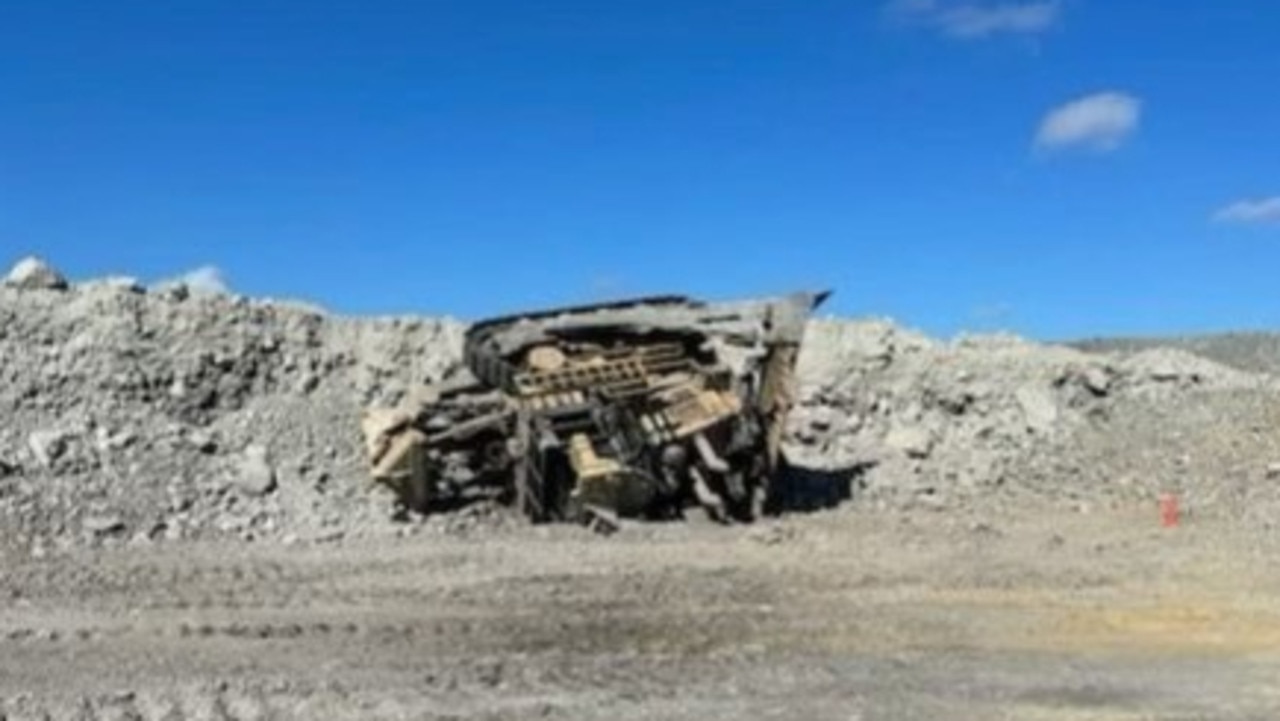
(640, 408)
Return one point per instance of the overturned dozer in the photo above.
(641, 408)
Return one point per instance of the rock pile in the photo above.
(138, 415)
(930, 423)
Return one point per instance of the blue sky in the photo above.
(1054, 168)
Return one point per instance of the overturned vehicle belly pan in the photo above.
(639, 408)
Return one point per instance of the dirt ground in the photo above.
(841, 614)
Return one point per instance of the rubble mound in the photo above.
(1251, 351)
(135, 415)
(931, 423)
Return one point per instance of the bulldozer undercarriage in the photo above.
(638, 409)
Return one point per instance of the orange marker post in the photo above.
(1169, 512)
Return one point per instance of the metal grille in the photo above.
(621, 373)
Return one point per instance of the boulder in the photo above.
(1038, 408)
(1096, 379)
(104, 524)
(255, 474)
(48, 446)
(31, 273)
(914, 441)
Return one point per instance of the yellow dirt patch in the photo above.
(1200, 626)
(1175, 623)
(1046, 713)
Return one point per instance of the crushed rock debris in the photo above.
(168, 415)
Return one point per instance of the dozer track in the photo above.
(642, 407)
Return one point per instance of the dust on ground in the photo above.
(837, 615)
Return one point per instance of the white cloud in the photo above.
(974, 21)
(205, 279)
(1100, 122)
(1257, 211)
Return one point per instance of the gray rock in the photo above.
(823, 418)
(255, 474)
(1167, 365)
(1096, 379)
(175, 292)
(32, 273)
(203, 441)
(1273, 471)
(48, 446)
(106, 524)
(125, 283)
(914, 441)
(1039, 408)
(307, 383)
(106, 442)
(329, 536)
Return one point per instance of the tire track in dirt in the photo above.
(626, 630)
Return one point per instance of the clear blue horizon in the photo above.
(1055, 168)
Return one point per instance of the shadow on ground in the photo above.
(803, 488)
